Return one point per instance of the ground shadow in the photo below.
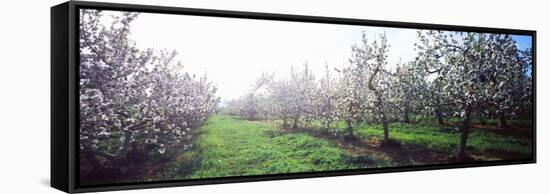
(404, 155)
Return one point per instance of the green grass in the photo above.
(235, 147)
(443, 138)
(229, 146)
(426, 134)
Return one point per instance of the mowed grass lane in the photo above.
(230, 146)
(235, 147)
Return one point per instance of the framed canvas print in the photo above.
(149, 96)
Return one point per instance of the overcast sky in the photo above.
(234, 52)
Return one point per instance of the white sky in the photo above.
(234, 52)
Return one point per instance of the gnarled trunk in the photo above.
(466, 125)
(386, 131)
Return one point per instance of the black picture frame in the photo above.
(64, 92)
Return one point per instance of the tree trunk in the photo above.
(295, 123)
(285, 124)
(349, 128)
(502, 118)
(464, 136)
(439, 116)
(384, 119)
(406, 118)
(386, 131)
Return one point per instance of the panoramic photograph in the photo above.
(167, 97)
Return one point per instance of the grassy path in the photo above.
(234, 147)
(229, 146)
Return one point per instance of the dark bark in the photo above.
(439, 116)
(386, 131)
(349, 128)
(383, 117)
(502, 119)
(466, 125)
(295, 122)
(380, 106)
